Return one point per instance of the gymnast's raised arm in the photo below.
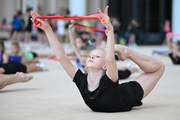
(112, 70)
(56, 45)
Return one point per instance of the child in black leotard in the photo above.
(99, 87)
(13, 67)
(28, 28)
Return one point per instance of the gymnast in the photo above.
(20, 56)
(173, 52)
(99, 87)
(80, 46)
(25, 57)
(13, 64)
(5, 58)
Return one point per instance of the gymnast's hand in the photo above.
(43, 24)
(104, 18)
(72, 24)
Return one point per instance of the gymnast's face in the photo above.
(79, 43)
(14, 49)
(84, 55)
(96, 60)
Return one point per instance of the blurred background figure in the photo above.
(173, 51)
(28, 30)
(61, 32)
(18, 26)
(116, 25)
(133, 30)
(4, 24)
(166, 29)
(132, 40)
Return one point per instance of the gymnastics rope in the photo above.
(94, 16)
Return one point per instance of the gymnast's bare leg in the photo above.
(12, 79)
(152, 69)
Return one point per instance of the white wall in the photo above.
(47, 6)
(7, 9)
(176, 18)
(78, 7)
(60, 4)
(93, 5)
(29, 3)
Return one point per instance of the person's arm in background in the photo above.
(72, 41)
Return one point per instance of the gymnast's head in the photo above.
(84, 53)
(96, 60)
(15, 48)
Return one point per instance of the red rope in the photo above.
(70, 17)
(67, 18)
(73, 18)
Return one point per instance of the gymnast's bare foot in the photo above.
(24, 77)
(122, 51)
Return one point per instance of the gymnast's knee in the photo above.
(161, 67)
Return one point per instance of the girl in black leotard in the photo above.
(99, 87)
(13, 67)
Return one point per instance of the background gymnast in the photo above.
(173, 52)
